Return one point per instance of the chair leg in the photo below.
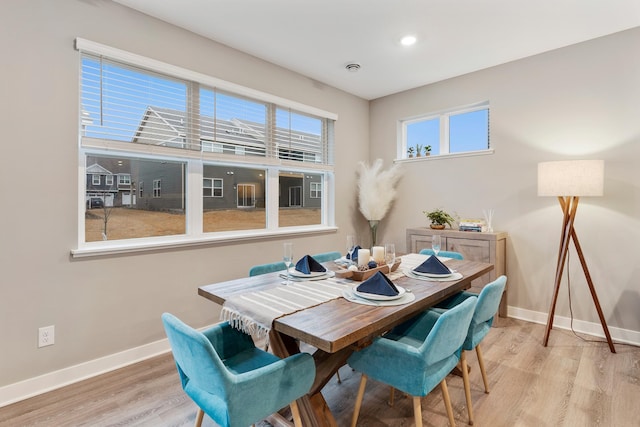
(356, 409)
(338, 375)
(467, 386)
(447, 402)
(417, 410)
(482, 370)
(392, 393)
(297, 421)
(199, 417)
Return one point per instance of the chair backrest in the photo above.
(448, 254)
(257, 270)
(449, 332)
(327, 256)
(489, 300)
(195, 357)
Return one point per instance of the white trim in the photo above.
(446, 156)
(626, 336)
(91, 249)
(53, 380)
(88, 46)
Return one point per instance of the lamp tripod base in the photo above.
(569, 207)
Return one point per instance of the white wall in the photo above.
(577, 102)
(105, 305)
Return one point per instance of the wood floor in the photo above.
(570, 383)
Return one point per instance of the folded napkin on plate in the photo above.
(432, 266)
(308, 265)
(355, 253)
(378, 284)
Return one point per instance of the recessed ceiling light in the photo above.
(408, 40)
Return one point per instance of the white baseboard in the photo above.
(34, 386)
(594, 329)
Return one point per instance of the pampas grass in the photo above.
(376, 189)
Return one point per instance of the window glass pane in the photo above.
(232, 125)
(296, 206)
(423, 133)
(299, 137)
(127, 104)
(120, 211)
(469, 131)
(233, 198)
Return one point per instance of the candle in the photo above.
(363, 256)
(378, 254)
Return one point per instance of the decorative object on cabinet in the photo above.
(439, 218)
(484, 247)
(569, 180)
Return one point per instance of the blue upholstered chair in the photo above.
(448, 254)
(486, 308)
(257, 270)
(231, 380)
(327, 256)
(416, 356)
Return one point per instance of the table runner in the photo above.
(254, 312)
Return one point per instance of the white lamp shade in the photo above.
(571, 178)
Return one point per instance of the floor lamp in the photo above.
(569, 180)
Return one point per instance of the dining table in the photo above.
(336, 328)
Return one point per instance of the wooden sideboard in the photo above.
(485, 247)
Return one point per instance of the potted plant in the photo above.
(439, 219)
(418, 150)
(410, 152)
(427, 150)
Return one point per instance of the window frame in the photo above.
(444, 133)
(194, 161)
(213, 187)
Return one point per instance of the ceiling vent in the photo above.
(353, 67)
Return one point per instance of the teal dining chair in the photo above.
(416, 356)
(257, 270)
(231, 380)
(448, 254)
(486, 308)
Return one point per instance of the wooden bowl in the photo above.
(364, 275)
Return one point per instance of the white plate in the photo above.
(376, 297)
(437, 276)
(296, 273)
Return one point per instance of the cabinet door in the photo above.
(473, 250)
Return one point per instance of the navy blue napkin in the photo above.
(378, 284)
(432, 266)
(307, 264)
(355, 254)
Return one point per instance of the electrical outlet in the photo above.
(46, 336)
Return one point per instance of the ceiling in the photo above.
(318, 38)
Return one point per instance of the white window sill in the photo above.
(445, 156)
(94, 249)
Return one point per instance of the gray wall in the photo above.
(581, 101)
(104, 305)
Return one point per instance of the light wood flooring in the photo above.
(570, 383)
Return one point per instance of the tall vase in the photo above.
(373, 225)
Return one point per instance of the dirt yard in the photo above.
(125, 223)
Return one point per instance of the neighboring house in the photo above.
(161, 187)
(114, 189)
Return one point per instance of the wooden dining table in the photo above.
(339, 327)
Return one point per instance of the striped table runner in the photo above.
(254, 312)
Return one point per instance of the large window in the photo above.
(463, 130)
(186, 134)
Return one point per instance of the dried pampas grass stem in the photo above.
(376, 189)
